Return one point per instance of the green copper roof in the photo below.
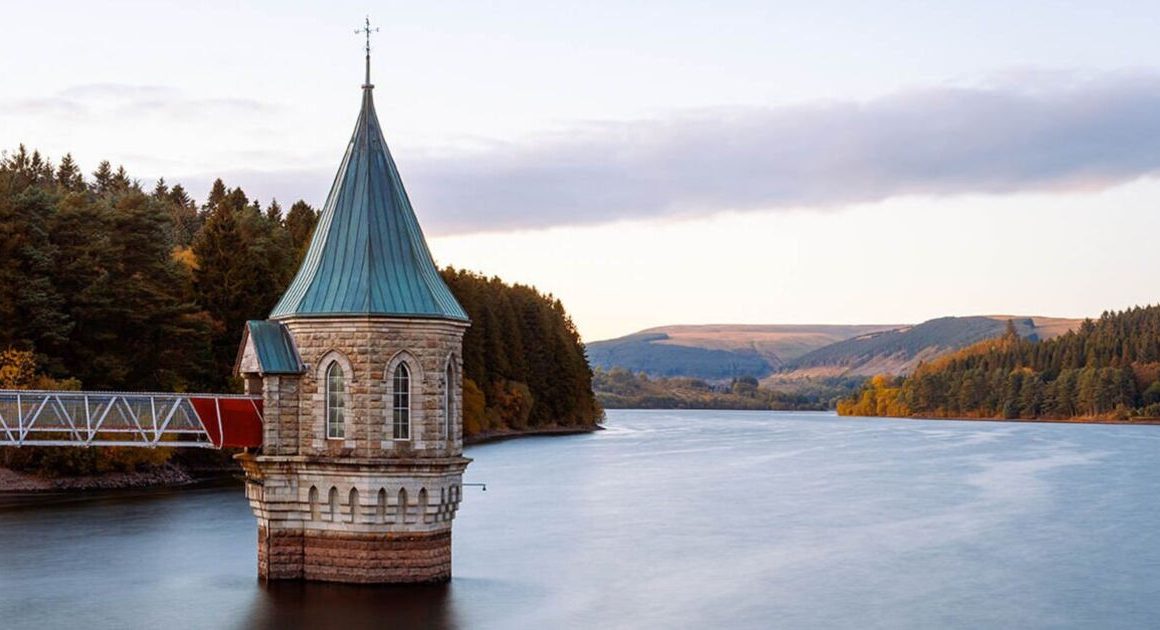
(273, 346)
(368, 255)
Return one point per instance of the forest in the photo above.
(109, 285)
(619, 388)
(1108, 369)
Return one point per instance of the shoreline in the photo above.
(501, 436)
(167, 476)
(170, 476)
(1138, 422)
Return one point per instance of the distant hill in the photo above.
(1106, 370)
(718, 351)
(779, 352)
(899, 351)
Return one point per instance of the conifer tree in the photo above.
(126, 289)
(103, 178)
(300, 223)
(31, 306)
(1098, 370)
(244, 263)
(274, 213)
(68, 175)
(217, 193)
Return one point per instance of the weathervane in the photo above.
(366, 29)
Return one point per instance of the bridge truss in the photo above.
(62, 418)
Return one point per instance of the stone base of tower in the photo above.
(389, 558)
(341, 520)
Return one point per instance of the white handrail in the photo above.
(95, 418)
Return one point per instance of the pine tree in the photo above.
(217, 194)
(300, 223)
(129, 289)
(1031, 397)
(68, 175)
(274, 213)
(30, 304)
(244, 263)
(103, 178)
(525, 355)
(183, 214)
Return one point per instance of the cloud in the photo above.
(942, 141)
(119, 101)
(1043, 133)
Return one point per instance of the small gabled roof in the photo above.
(267, 348)
(368, 256)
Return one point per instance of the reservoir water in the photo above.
(668, 519)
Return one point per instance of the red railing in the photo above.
(61, 418)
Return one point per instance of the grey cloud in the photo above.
(124, 101)
(1033, 136)
(117, 91)
(43, 106)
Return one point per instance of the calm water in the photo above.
(670, 520)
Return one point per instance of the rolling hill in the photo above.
(781, 352)
(900, 351)
(719, 351)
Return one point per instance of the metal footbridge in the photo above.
(143, 419)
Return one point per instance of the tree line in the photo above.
(524, 364)
(1108, 368)
(125, 288)
(106, 284)
(620, 388)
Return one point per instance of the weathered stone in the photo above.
(301, 485)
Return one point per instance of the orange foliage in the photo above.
(881, 396)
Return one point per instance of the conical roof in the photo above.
(368, 256)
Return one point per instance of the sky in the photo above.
(654, 163)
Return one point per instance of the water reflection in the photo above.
(670, 520)
(281, 605)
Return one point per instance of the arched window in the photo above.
(333, 500)
(448, 401)
(335, 401)
(353, 500)
(314, 502)
(402, 403)
(401, 513)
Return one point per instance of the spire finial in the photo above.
(367, 30)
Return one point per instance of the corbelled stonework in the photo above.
(319, 517)
(366, 507)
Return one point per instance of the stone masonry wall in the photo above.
(384, 558)
(281, 406)
(365, 507)
(323, 518)
(369, 349)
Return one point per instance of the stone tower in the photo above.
(359, 365)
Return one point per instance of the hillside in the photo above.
(899, 351)
(523, 362)
(718, 351)
(621, 389)
(780, 353)
(1107, 370)
(105, 285)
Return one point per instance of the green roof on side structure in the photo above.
(368, 256)
(273, 347)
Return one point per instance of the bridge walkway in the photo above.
(142, 419)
